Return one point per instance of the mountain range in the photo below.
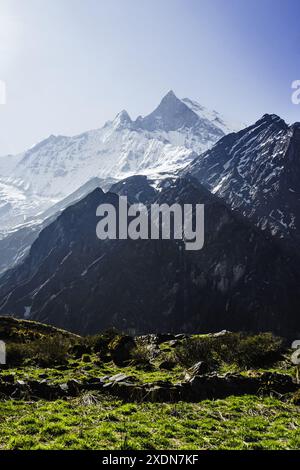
(245, 278)
(159, 144)
(73, 280)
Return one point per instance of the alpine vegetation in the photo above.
(158, 222)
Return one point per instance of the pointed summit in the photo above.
(171, 115)
(170, 99)
(122, 120)
(272, 120)
(170, 96)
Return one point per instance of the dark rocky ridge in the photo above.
(16, 245)
(136, 188)
(257, 171)
(73, 280)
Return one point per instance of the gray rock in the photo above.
(199, 368)
(118, 378)
(64, 387)
(220, 333)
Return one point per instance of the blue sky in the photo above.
(70, 65)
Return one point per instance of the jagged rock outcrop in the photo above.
(257, 172)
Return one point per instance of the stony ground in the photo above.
(96, 418)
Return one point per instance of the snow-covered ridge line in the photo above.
(257, 172)
(158, 145)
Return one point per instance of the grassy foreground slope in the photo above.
(91, 422)
(95, 419)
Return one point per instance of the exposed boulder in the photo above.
(127, 391)
(220, 334)
(121, 348)
(213, 386)
(118, 378)
(199, 368)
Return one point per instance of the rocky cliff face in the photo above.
(257, 171)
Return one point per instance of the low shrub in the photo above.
(259, 350)
(98, 343)
(51, 351)
(16, 353)
(141, 353)
(246, 351)
(121, 348)
(79, 349)
(296, 398)
(46, 352)
(86, 358)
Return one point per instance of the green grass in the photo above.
(98, 421)
(234, 423)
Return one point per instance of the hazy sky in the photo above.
(71, 65)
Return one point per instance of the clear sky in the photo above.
(71, 65)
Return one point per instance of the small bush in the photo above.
(232, 348)
(259, 350)
(209, 349)
(16, 353)
(109, 334)
(141, 354)
(86, 358)
(296, 398)
(121, 348)
(51, 351)
(99, 343)
(46, 352)
(79, 349)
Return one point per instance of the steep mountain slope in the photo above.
(257, 171)
(212, 116)
(137, 189)
(159, 144)
(73, 280)
(15, 245)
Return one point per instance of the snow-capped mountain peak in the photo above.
(158, 144)
(171, 115)
(122, 120)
